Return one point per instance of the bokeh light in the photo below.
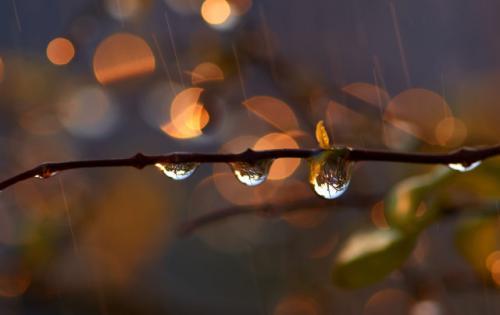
(495, 272)
(369, 93)
(418, 112)
(427, 307)
(451, 132)
(60, 51)
(88, 112)
(155, 108)
(274, 111)
(388, 301)
(122, 56)
(492, 258)
(281, 168)
(215, 12)
(206, 72)
(188, 116)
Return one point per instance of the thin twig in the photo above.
(465, 156)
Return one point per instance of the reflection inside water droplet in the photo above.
(330, 175)
(251, 173)
(463, 167)
(177, 171)
(45, 173)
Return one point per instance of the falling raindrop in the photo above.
(330, 174)
(177, 171)
(45, 173)
(251, 173)
(464, 167)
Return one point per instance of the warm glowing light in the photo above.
(343, 121)
(388, 301)
(427, 307)
(422, 109)
(369, 93)
(60, 51)
(215, 12)
(495, 271)
(88, 113)
(122, 56)
(281, 168)
(378, 216)
(297, 304)
(188, 116)
(206, 72)
(492, 258)
(274, 111)
(451, 132)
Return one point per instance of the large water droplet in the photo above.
(251, 173)
(177, 171)
(462, 167)
(330, 175)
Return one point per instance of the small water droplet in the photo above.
(462, 167)
(177, 171)
(251, 173)
(45, 173)
(330, 176)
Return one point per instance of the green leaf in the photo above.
(411, 204)
(369, 256)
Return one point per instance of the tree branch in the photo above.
(465, 156)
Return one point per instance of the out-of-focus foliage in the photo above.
(370, 255)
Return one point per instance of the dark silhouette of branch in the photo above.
(464, 156)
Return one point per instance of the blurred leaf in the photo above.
(476, 238)
(369, 256)
(322, 135)
(410, 205)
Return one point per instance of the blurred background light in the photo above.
(206, 72)
(88, 112)
(122, 56)
(60, 51)
(273, 111)
(215, 12)
(282, 168)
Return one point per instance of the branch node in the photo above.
(140, 160)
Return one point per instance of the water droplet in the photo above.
(45, 173)
(330, 175)
(177, 171)
(251, 173)
(463, 167)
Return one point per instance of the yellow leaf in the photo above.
(322, 135)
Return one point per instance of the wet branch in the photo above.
(464, 156)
